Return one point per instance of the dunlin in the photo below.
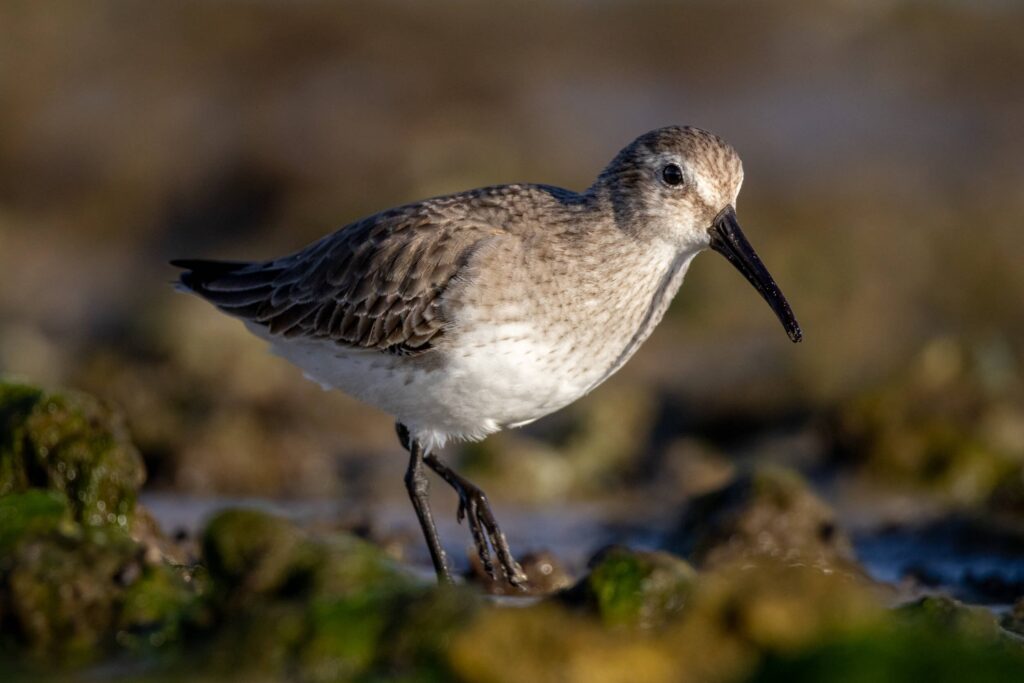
(470, 313)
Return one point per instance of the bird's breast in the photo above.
(530, 352)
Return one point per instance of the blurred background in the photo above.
(882, 145)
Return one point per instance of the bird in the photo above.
(469, 313)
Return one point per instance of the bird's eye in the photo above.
(672, 175)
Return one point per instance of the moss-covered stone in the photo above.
(404, 633)
(548, 644)
(767, 514)
(728, 623)
(773, 605)
(945, 613)
(33, 512)
(250, 553)
(157, 607)
(940, 426)
(896, 654)
(70, 594)
(70, 443)
(642, 589)
(62, 591)
(325, 609)
(1013, 620)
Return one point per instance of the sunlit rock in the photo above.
(767, 514)
(72, 444)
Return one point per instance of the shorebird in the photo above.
(470, 313)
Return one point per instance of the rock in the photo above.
(947, 614)
(405, 633)
(62, 591)
(941, 426)
(726, 623)
(769, 513)
(896, 654)
(250, 554)
(546, 643)
(643, 589)
(69, 592)
(1013, 620)
(157, 607)
(70, 443)
(33, 512)
(772, 605)
(321, 609)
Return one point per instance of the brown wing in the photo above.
(375, 284)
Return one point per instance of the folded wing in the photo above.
(375, 284)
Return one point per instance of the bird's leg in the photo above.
(474, 506)
(419, 492)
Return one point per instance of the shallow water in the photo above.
(947, 556)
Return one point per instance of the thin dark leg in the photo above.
(419, 492)
(474, 506)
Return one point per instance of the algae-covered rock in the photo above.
(404, 632)
(30, 513)
(329, 609)
(769, 513)
(945, 613)
(776, 606)
(634, 588)
(250, 553)
(70, 592)
(62, 590)
(897, 654)
(1013, 620)
(729, 621)
(158, 605)
(945, 425)
(70, 443)
(547, 644)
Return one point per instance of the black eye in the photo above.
(672, 175)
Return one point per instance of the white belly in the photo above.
(502, 377)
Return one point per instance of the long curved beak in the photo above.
(728, 240)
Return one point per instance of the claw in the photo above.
(487, 535)
(480, 540)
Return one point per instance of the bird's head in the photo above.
(677, 186)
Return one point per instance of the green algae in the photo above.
(250, 553)
(72, 444)
(643, 589)
(332, 608)
(897, 654)
(941, 613)
(62, 591)
(27, 514)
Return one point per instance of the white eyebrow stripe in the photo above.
(706, 192)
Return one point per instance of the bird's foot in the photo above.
(475, 508)
(487, 535)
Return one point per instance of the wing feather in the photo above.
(376, 284)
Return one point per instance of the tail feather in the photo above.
(198, 273)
